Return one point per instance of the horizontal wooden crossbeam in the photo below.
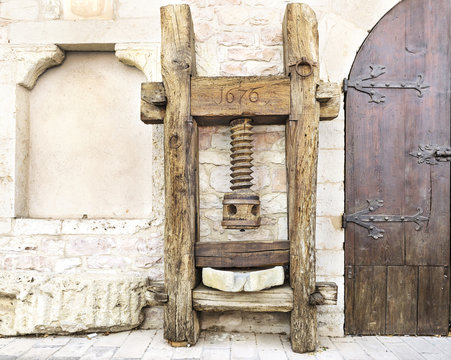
(216, 100)
(240, 254)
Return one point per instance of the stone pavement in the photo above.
(149, 345)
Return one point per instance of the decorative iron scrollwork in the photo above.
(368, 85)
(367, 220)
(432, 154)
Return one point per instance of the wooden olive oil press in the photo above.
(183, 102)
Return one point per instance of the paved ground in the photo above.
(149, 345)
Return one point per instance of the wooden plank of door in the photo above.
(428, 122)
(181, 176)
(433, 300)
(370, 299)
(301, 160)
(402, 282)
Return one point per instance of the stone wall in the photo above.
(233, 37)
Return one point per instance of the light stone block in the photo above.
(45, 303)
(274, 203)
(86, 35)
(331, 166)
(329, 233)
(63, 265)
(235, 281)
(329, 262)
(5, 226)
(330, 199)
(23, 226)
(19, 9)
(332, 135)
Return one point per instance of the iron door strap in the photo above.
(366, 219)
(432, 154)
(370, 82)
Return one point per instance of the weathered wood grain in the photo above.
(278, 299)
(230, 97)
(153, 100)
(301, 160)
(156, 294)
(181, 174)
(238, 254)
(325, 294)
(329, 97)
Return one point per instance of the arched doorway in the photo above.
(397, 247)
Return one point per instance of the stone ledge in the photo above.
(86, 32)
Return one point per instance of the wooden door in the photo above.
(397, 247)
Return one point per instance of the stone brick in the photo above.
(16, 244)
(330, 166)
(205, 133)
(204, 31)
(19, 9)
(223, 2)
(261, 178)
(134, 346)
(63, 265)
(262, 233)
(329, 262)
(89, 245)
(25, 262)
(331, 135)
(108, 262)
(205, 229)
(271, 35)
(233, 69)
(273, 203)
(265, 140)
(329, 234)
(232, 15)
(282, 229)
(221, 141)
(50, 246)
(208, 201)
(214, 157)
(5, 225)
(220, 179)
(268, 157)
(245, 54)
(279, 179)
(234, 38)
(153, 317)
(330, 199)
(36, 226)
(264, 15)
(204, 178)
(259, 68)
(147, 262)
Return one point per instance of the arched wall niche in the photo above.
(32, 61)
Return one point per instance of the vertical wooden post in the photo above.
(178, 63)
(300, 37)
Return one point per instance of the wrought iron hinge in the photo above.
(367, 220)
(368, 84)
(432, 154)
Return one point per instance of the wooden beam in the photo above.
(181, 174)
(239, 254)
(153, 102)
(325, 294)
(156, 294)
(153, 105)
(300, 40)
(278, 299)
(329, 97)
(226, 98)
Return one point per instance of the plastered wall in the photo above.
(233, 37)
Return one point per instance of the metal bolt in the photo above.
(371, 217)
(402, 218)
(403, 84)
(372, 84)
(371, 208)
(371, 227)
(386, 218)
(387, 84)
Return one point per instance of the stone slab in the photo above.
(235, 281)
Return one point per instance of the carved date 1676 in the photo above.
(237, 95)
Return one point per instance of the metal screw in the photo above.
(386, 218)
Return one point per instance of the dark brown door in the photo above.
(397, 248)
